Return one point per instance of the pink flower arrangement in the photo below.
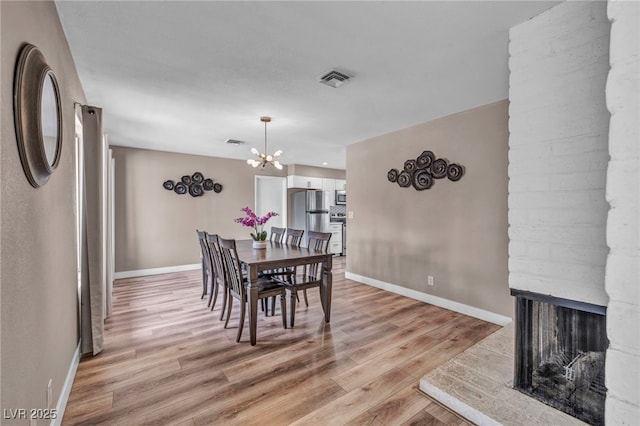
(255, 222)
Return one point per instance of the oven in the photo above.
(341, 197)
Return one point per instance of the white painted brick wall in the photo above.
(622, 279)
(558, 152)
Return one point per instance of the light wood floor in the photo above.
(168, 360)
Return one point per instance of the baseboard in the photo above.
(434, 300)
(155, 271)
(66, 388)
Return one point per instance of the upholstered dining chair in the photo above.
(237, 285)
(293, 237)
(311, 274)
(205, 258)
(218, 280)
(277, 234)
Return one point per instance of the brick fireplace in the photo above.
(560, 352)
(558, 159)
(574, 175)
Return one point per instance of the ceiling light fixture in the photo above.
(265, 159)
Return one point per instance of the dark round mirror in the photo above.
(38, 117)
(49, 119)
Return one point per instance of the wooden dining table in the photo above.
(278, 255)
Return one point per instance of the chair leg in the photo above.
(306, 301)
(283, 309)
(225, 295)
(264, 303)
(213, 294)
(294, 295)
(241, 325)
(230, 304)
(204, 281)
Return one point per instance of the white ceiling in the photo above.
(186, 76)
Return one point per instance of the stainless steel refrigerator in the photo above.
(310, 211)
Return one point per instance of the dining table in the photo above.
(278, 255)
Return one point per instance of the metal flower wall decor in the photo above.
(422, 172)
(195, 185)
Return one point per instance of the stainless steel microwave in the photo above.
(341, 197)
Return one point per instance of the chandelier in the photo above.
(265, 159)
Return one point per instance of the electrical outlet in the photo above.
(430, 279)
(350, 215)
(49, 393)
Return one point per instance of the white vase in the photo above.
(259, 244)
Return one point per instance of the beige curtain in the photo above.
(92, 326)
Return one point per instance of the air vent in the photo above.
(234, 142)
(334, 78)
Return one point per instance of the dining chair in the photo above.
(293, 237)
(205, 262)
(311, 275)
(218, 279)
(237, 284)
(277, 234)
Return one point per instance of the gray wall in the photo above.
(37, 242)
(156, 228)
(455, 231)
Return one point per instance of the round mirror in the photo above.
(49, 119)
(38, 117)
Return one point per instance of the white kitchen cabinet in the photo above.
(306, 182)
(330, 185)
(341, 184)
(335, 243)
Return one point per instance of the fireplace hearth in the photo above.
(560, 354)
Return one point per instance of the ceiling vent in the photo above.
(334, 78)
(234, 142)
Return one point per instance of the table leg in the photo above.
(252, 300)
(327, 285)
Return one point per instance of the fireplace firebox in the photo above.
(560, 354)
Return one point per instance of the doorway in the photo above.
(271, 195)
(79, 208)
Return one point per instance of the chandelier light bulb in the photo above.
(254, 151)
(278, 153)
